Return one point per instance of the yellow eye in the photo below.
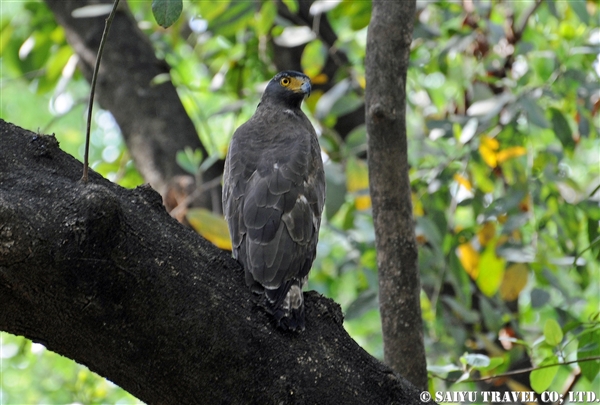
(285, 81)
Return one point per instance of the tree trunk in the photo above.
(388, 47)
(104, 276)
(154, 123)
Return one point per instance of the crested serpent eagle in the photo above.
(273, 196)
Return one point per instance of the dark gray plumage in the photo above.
(273, 197)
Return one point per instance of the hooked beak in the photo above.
(306, 87)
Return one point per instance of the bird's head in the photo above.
(287, 88)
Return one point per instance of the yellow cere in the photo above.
(294, 83)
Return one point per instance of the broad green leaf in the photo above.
(443, 369)
(491, 270)
(211, 226)
(477, 360)
(336, 189)
(313, 58)
(562, 129)
(166, 12)
(266, 18)
(541, 379)
(552, 332)
(291, 4)
(589, 346)
(366, 301)
(494, 362)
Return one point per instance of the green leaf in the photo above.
(535, 113)
(552, 332)
(313, 58)
(579, 7)
(541, 379)
(491, 270)
(476, 360)
(336, 189)
(494, 362)
(291, 4)
(562, 129)
(589, 346)
(366, 301)
(266, 18)
(189, 160)
(166, 12)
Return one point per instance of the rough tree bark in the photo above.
(388, 47)
(154, 123)
(104, 276)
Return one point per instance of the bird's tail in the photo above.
(286, 304)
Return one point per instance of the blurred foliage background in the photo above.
(503, 123)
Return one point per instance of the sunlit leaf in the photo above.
(491, 143)
(491, 270)
(515, 279)
(463, 181)
(477, 360)
(266, 18)
(313, 58)
(291, 4)
(552, 332)
(469, 258)
(95, 10)
(510, 153)
(489, 107)
(295, 36)
(541, 379)
(323, 6)
(211, 226)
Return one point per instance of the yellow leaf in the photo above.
(488, 155)
(417, 205)
(357, 176)
(509, 153)
(469, 258)
(515, 279)
(463, 181)
(491, 270)
(491, 143)
(211, 226)
(362, 202)
(357, 182)
(321, 78)
(362, 82)
(486, 233)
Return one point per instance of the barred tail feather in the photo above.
(287, 310)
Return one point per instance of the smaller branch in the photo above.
(520, 371)
(86, 158)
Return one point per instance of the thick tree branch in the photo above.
(154, 123)
(104, 276)
(388, 45)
